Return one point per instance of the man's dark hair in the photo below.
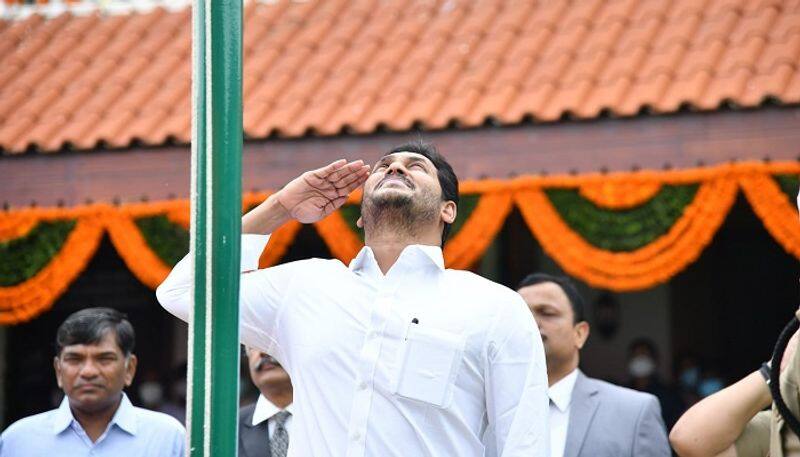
(90, 325)
(566, 284)
(448, 180)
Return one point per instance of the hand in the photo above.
(317, 193)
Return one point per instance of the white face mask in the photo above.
(151, 393)
(641, 366)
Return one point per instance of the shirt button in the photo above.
(362, 385)
(356, 436)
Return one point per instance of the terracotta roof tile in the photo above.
(356, 65)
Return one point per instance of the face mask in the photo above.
(709, 386)
(689, 377)
(151, 393)
(641, 366)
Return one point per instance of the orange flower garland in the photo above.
(134, 250)
(618, 194)
(25, 301)
(778, 214)
(278, 244)
(478, 231)
(343, 243)
(652, 264)
(15, 226)
(639, 269)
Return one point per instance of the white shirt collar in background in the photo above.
(561, 392)
(265, 409)
(560, 395)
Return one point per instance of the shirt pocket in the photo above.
(428, 363)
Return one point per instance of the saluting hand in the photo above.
(317, 193)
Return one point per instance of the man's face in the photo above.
(562, 338)
(403, 178)
(93, 375)
(266, 372)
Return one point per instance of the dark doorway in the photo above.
(730, 305)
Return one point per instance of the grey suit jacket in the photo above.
(253, 440)
(611, 421)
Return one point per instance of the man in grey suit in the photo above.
(264, 426)
(588, 417)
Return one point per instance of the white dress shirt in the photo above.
(369, 382)
(265, 410)
(560, 395)
(132, 432)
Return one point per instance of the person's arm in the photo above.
(516, 387)
(711, 427)
(308, 198)
(651, 434)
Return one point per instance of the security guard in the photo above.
(733, 422)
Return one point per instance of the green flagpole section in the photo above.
(216, 217)
(195, 400)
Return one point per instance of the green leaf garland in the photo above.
(622, 230)
(789, 184)
(22, 258)
(169, 241)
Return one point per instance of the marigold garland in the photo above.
(341, 240)
(775, 210)
(278, 244)
(27, 300)
(478, 231)
(617, 194)
(134, 250)
(644, 267)
(15, 226)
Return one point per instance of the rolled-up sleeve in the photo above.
(260, 293)
(516, 386)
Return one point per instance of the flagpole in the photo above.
(216, 226)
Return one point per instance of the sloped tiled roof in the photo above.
(328, 66)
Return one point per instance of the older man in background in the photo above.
(264, 426)
(94, 362)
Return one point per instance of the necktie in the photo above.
(279, 443)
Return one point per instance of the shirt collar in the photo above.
(561, 392)
(415, 253)
(265, 409)
(62, 417)
(124, 417)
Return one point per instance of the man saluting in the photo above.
(393, 355)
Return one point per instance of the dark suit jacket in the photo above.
(606, 420)
(253, 440)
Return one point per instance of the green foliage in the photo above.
(351, 213)
(623, 230)
(789, 184)
(169, 241)
(466, 205)
(22, 258)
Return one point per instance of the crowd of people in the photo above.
(394, 355)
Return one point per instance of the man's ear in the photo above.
(57, 368)
(360, 222)
(581, 333)
(130, 369)
(449, 212)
